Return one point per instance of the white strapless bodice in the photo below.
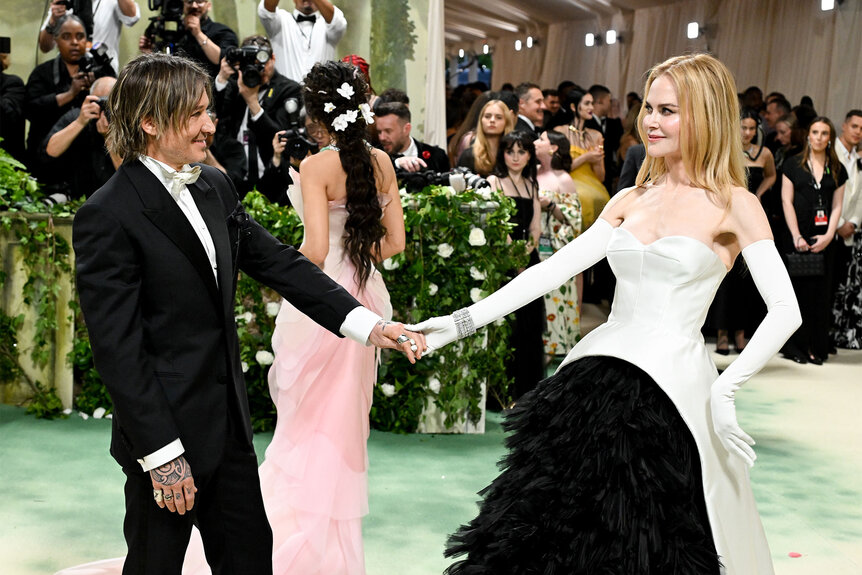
(664, 290)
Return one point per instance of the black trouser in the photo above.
(815, 296)
(228, 511)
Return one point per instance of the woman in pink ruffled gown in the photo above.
(314, 476)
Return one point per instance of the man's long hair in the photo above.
(162, 88)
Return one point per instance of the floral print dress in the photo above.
(847, 310)
(563, 328)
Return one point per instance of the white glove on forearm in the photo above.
(782, 319)
(584, 251)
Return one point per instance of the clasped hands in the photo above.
(394, 335)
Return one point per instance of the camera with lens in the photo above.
(96, 60)
(460, 179)
(103, 106)
(67, 3)
(166, 28)
(250, 60)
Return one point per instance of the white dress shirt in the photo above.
(851, 210)
(299, 46)
(357, 325)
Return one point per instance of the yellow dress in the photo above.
(591, 191)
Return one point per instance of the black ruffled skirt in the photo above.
(602, 477)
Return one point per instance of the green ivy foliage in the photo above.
(45, 255)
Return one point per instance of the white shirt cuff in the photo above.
(358, 324)
(257, 116)
(170, 451)
(219, 85)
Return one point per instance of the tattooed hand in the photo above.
(174, 482)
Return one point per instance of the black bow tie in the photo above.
(304, 18)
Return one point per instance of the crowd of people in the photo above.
(281, 111)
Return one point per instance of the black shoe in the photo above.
(815, 360)
(722, 351)
(833, 350)
(796, 358)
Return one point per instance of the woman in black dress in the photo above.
(812, 192)
(515, 176)
(736, 306)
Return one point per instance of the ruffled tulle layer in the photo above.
(602, 477)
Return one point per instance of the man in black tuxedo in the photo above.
(531, 108)
(607, 121)
(393, 130)
(158, 249)
(254, 114)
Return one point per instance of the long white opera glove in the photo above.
(581, 253)
(782, 319)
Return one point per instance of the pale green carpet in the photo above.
(62, 492)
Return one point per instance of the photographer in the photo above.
(12, 98)
(56, 86)
(203, 40)
(393, 131)
(59, 9)
(253, 102)
(303, 36)
(75, 147)
(109, 17)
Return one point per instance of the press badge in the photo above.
(245, 137)
(820, 218)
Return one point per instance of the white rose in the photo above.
(272, 308)
(476, 274)
(445, 250)
(83, 415)
(244, 367)
(450, 191)
(403, 193)
(500, 321)
(388, 389)
(264, 357)
(477, 237)
(434, 385)
(432, 289)
(486, 194)
(246, 317)
(475, 294)
(390, 264)
(99, 413)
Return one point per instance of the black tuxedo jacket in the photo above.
(162, 330)
(435, 158)
(522, 126)
(231, 107)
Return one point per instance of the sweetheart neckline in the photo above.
(672, 236)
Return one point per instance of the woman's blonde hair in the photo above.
(483, 159)
(166, 89)
(709, 125)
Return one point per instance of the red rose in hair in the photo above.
(426, 154)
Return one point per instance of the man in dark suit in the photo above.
(607, 121)
(254, 114)
(531, 108)
(631, 166)
(158, 249)
(393, 130)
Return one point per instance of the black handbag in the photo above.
(805, 264)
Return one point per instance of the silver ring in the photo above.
(402, 339)
(157, 495)
(169, 496)
(413, 348)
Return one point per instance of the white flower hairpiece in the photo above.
(348, 117)
(328, 107)
(346, 90)
(367, 114)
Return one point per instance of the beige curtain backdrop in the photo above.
(790, 46)
(435, 86)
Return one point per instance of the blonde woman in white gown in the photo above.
(630, 458)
